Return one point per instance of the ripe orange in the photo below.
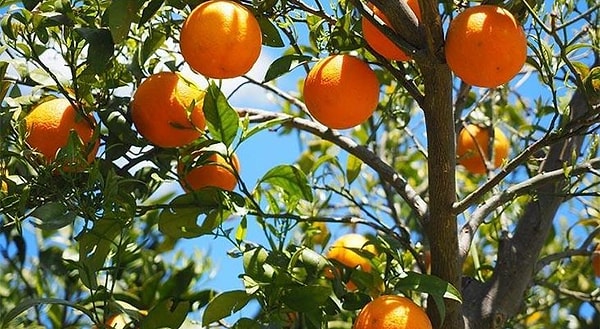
(161, 112)
(220, 39)
(340, 252)
(341, 91)
(485, 46)
(381, 43)
(49, 125)
(215, 172)
(596, 261)
(392, 312)
(473, 142)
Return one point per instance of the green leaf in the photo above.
(224, 304)
(270, 35)
(290, 179)
(151, 9)
(155, 40)
(180, 220)
(4, 85)
(166, 314)
(437, 288)
(262, 126)
(306, 298)
(242, 230)
(353, 167)
(247, 323)
(120, 16)
(222, 120)
(94, 246)
(30, 4)
(178, 284)
(28, 303)
(285, 64)
(101, 47)
(53, 216)
(256, 266)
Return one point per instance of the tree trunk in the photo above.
(490, 304)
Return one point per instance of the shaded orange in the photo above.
(379, 41)
(392, 312)
(474, 141)
(485, 46)
(341, 91)
(49, 125)
(341, 251)
(214, 172)
(221, 39)
(161, 112)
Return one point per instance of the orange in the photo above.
(485, 46)
(379, 41)
(474, 141)
(341, 251)
(321, 232)
(49, 126)
(392, 312)
(341, 91)
(162, 110)
(220, 39)
(596, 261)
(215, 171)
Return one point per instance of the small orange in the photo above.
(162, 110)
(341, 251)
(485, 46)
(49, 125)
(379, 41)
(215, 172)
(596, 261)
(221, 39)
(341, 91)
(473, 142)
(392, 312)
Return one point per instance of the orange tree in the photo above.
(509, 247)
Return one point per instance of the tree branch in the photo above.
(493, 302)
(387, 173)
(480, 214)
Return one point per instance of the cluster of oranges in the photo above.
(384, 311)
(219, 39)
(485, 46)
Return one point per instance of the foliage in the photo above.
(79, 247)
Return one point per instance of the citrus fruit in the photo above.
(167, 110)
(341, 251)
(320, 232)
(485, 46)
(49, 126)
(474, 141)
(220, 39)
(213, 170)
(341, 91)
(596, 261)
(379, 41)
(392, 312)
